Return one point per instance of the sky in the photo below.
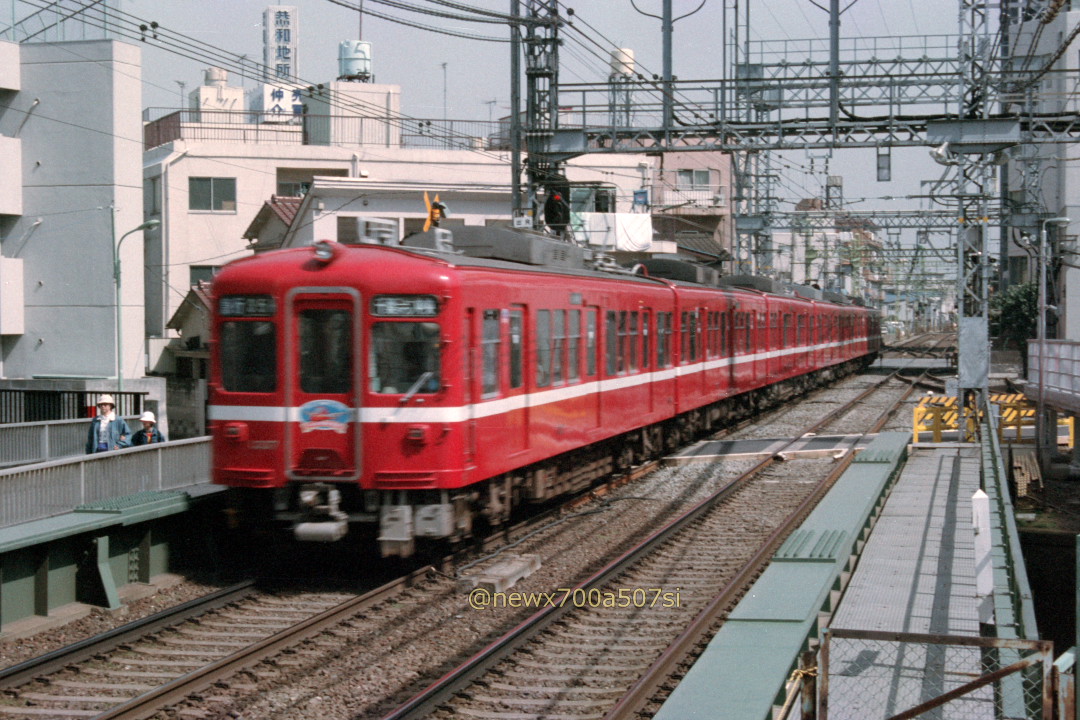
(468, 79)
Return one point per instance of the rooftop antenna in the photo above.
(182, 85)
(491, 105)
(360, 21)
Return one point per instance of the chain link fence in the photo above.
(868, 675)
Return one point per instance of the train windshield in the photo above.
(404, 357)
(248, 356)
(325, 351)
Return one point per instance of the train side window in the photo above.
(558, 318)
(723, 334)
(709, 344)
(694, 340)
(543, 348)
(749, 331)
(786, 338)
(661, 339)
(800, 330)
(489, 343)
(517, 350)
(684, 338)
(612, 341)
(632, 340)
(248, 356)
(590, 342)
(404, 354)
(646, 347)
(624, 340)
(573, 346)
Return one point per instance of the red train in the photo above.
(419, 390)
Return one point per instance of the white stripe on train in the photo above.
(487, 408)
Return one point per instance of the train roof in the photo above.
(506, 249)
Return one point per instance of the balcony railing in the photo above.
(334, 130)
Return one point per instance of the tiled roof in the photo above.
(285, 207)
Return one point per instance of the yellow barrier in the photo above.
(937, 413)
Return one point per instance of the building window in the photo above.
(203, 273)
(347, 230)
(293, 189)
(206, 193)
(692, 179)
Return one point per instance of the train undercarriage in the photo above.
(399, 519)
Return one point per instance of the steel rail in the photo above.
(697, 632)
(452, 682)
(147, 704)
(107, 641)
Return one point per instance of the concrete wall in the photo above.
(80, 157)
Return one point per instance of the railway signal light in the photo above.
(556, 210)
(436, 211)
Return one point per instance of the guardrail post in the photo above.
(103, 575)
(984, 566)
(809, 672)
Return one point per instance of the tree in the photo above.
(1014, 317)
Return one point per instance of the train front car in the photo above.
(327, 375)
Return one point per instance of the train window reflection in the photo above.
(402, 355)
(248, 356)
(325, 351)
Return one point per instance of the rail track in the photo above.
(594, 650)
(929, 344)
(205, 652)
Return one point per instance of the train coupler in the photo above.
(324, 519)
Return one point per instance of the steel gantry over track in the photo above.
(937, 91)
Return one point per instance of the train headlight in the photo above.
(325, 250)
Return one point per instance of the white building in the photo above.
(207, 181)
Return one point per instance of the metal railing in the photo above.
(22, 406)
(337, 130)
(1059, 370)
(34, 442)
(869, 674)
(43, 490)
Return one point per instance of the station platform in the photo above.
(97, 530)
(880, 582)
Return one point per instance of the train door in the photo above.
(517, 419)
(592, 362)
(323, 439)
(647, 358)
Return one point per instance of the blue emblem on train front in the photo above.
(325, 415)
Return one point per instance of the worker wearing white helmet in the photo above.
(108, 431)
(149, 433)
